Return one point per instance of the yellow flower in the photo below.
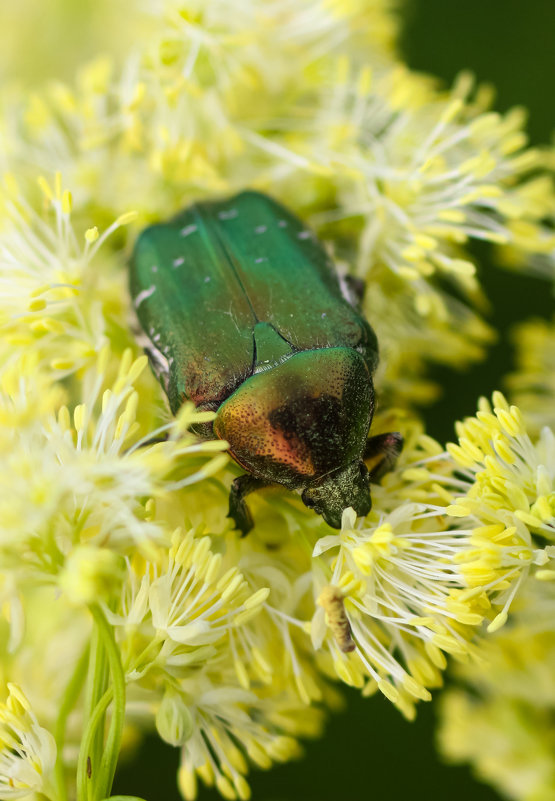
(512, 476)
(309, 104)
(533, 384)
(198, 638)
(82, 478)
(509, 744)
(56, 294)
(194, 601)
(91, 573)
(409, 343)
(499, 486)
(402, 590)
(184, 115)
(233, 727)
(27, 751)
(418, 173)
(499, 717)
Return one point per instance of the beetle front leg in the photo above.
(382, 451)
(238, 509)
(354, 288)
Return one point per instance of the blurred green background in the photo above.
(370, 751)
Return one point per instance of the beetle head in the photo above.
(334, 492)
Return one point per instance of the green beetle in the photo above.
(243, 313)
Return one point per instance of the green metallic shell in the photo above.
(228, 289)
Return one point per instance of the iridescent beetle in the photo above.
(244, 314)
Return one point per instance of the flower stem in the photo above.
(97, 682)
(68, 701)
(111, 751)
(96, 765)
(85, 770)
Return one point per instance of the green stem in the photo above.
(103, 648)
(113, 742)
(84, 760)
(68, 702)
(97, 683)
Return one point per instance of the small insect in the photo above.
(243, 313)
(331, 599)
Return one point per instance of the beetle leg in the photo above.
(382, 451)
(353, 289)
(152, 441)
(156, 440)
(238, 509)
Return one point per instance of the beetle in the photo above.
(243, 313)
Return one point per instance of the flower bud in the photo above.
(173, 719)
(91, 574)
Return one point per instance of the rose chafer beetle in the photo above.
(244, 314)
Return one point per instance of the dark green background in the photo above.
(369, 751)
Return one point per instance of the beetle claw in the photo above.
(241, 517)
(238, 510)
(382, 451)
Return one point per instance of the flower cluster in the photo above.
(399, 587)
(58, 298)
(507, 698)
(498, 484)
(312, 105)
(87, 471)
(27, 751)
(500, 716)
(177, 624)
(123, 586)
